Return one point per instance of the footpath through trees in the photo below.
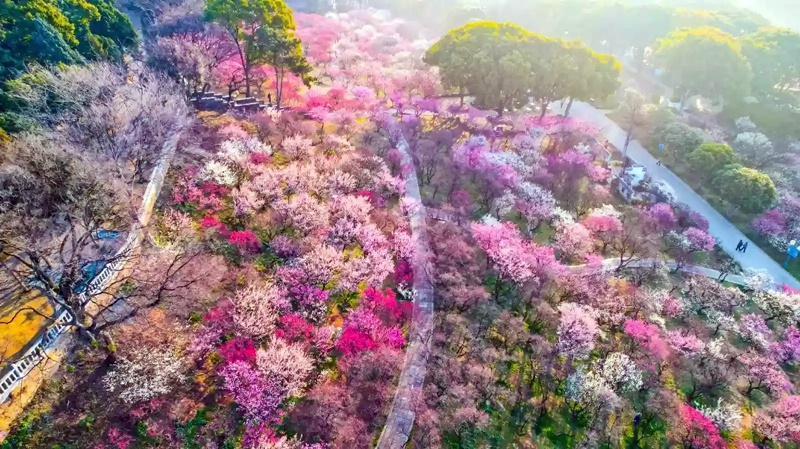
(727, 234)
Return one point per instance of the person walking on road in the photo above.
(744, 247)
(739, 245)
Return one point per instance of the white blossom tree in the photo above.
(144, 374)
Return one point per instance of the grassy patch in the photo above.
(25, 326)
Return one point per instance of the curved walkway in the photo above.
(727, 234)
(400, 420)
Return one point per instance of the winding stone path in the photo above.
(400, 420)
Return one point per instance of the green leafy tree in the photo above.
(284, 54)
(47, 32)
(704, 61)
(709, 158)
(503, 66)
(574, 71)
(494, 62)
(248, 23)
(679, 138)
(749, 189)
(774, 55)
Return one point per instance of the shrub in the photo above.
(679, 137)
(752, 191)
(709, 158)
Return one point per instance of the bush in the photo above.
(709, 158)
(752, 191)
(679, 137)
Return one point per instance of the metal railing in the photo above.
(16, 372)
(36, 353)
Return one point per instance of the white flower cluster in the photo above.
(726, 416)
(744, 124)
(562, 217)
(586, 387)
(679, 240)
(758, 279)
(218, 172)
(508, 158)
(505, 204)
(144, 375)
(620, 372)
(490, 220)
(715, 348)
(237, 150)
(722, 320)
(534, 193)
(606, 210)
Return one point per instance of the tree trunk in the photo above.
(243, 60)
(278, 86)
(569, 106)
(628, 140)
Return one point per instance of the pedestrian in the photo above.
(744, 248)
(739, 245)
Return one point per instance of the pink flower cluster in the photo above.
(246, 241)
(648, 336)
(515, 258)
(374, 323)
(700, 431)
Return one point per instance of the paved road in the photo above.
(719, 226)
(400, 419)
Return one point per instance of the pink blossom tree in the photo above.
(574, 241)
(577, 331)
(780, 422)
(648, 336)
(697, 431)
(764, 374)
(257, 308)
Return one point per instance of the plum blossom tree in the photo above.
(257, 308)
(757, 150)
(143, 374)
(783, 307)
(780, 422)
(514, 258)
(648, 336)
(620, 372)
(258, 397)
(577, 331)
(286, 366)
(754, 329)
(585, 391)
(663, 217)
(574, 240)
(787, 350)
(696, 430)
(764, 374)
(725, 415)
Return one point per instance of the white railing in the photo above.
(16, 372)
